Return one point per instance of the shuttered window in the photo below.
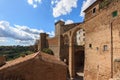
(114, 14)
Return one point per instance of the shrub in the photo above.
(48, 51)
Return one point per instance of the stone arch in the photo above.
(80, 31)
(72, 50)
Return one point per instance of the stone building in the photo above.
(61, 47)
(37, 66)
(102, 41)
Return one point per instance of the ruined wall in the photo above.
(98, 42)
(53, 45)
(67, 27)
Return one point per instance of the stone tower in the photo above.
(43, 43)
(59, 28)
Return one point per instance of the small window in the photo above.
(97, 48)
(94, 10)
(83, 39)
(114, 14)
(83, 34)
(105, 48)
(90, 45)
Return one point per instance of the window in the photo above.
(105, 48)
(83, 39)
(114, 14)
(90, 45)
(94, 10)
(83, 34)
(97, 48)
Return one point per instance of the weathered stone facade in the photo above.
(102, 40)
(105, 46)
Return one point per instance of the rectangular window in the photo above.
(105, 48)
(83, 39)
(114, 14)
(94, 10)
(83, 34)
(90, 45)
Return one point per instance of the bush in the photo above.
(48, 51)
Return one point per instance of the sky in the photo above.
(21, 21)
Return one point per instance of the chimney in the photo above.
(2, 60)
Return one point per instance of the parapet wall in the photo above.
(54, 45)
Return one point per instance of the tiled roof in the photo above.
(43, 56)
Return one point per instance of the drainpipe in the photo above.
(111, 31)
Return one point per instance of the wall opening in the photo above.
(79, 63)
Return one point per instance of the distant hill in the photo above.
(13, 52)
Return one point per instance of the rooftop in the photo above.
(43, 56)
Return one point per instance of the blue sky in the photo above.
(21, 21)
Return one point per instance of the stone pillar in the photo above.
(71, 60)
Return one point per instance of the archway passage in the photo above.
(79, 63)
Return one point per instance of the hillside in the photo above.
(13, 52)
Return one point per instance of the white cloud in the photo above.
(19, 33)
(30, 2)
(69, 22)
(3, 39)
(85, 5)
(51, 34)
(34, 3)
(66, 22)
(52, 2)
(63, 7)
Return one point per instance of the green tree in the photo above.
(48, 51)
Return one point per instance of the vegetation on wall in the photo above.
(48, 51)
(13, 52)
(105, 3)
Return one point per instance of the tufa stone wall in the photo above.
(98, 42)
(53, 45)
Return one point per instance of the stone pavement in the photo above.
(78, 77)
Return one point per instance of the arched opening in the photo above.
(78, 39)
(79, 62)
